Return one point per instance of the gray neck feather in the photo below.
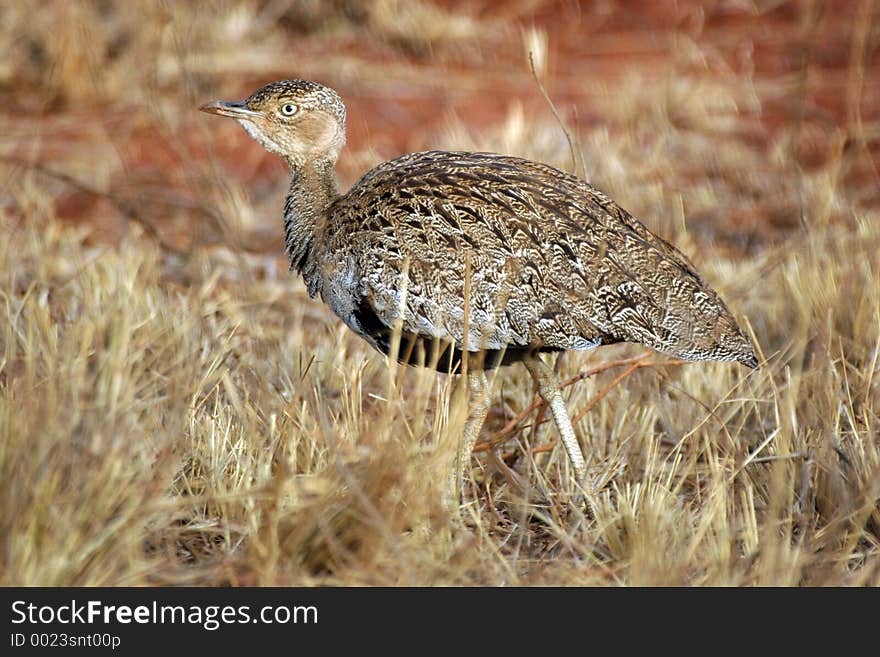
(312, 190)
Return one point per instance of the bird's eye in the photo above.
(288, 109)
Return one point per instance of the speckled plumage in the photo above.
(553, 264)
(493, 256)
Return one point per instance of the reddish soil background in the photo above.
(814, 64)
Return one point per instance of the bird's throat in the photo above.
(312, 190)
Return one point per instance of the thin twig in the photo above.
(575, 161)
(125, 206)
(634, 363)
(604, 392)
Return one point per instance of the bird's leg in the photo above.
(548, 388)
(478, 404)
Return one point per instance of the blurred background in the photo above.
(722, 110)
(174, 409)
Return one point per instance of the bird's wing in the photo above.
(537, 256)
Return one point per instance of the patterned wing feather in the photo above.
(548, 261)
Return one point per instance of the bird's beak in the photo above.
(235, 109)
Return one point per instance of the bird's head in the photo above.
(299, 120)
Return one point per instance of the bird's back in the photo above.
(547, 262)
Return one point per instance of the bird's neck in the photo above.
(312, 190)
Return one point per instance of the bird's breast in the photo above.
(341, 290)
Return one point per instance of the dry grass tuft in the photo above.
(186, 415)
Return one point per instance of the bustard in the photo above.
(495, 257)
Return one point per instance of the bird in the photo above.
(468, 261)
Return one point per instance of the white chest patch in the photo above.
(340, 291)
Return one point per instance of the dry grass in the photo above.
(184, 414)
